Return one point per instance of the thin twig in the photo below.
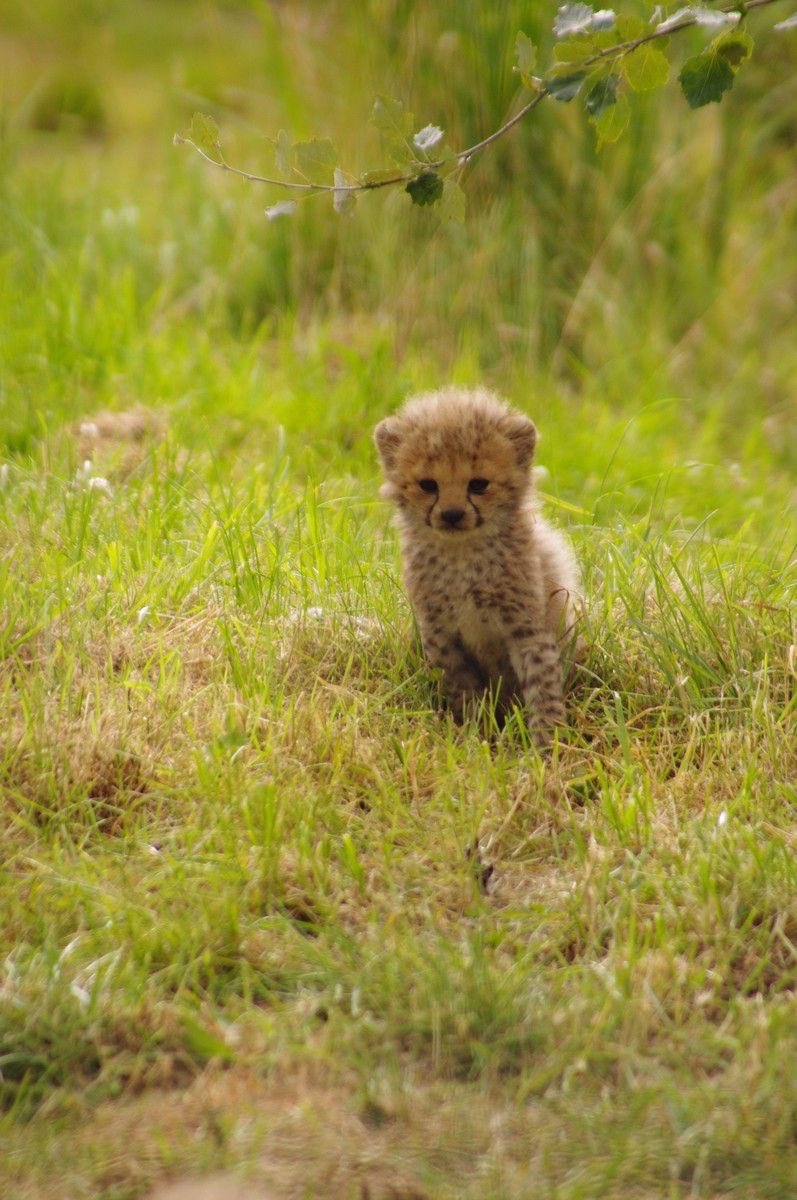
(466, 155)
(179, 140)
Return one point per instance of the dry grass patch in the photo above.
(116, 442)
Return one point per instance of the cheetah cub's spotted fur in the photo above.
(492, 584)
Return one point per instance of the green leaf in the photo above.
(565, 87)
(735, 47)
(645, 68)
(426, 189)
(444, 154)
(525, 59)
(631, 28)
(452, 204)
(316, 160)
(604, 39)
(704, 79)
(400, 152)
(612, 122)
(283, 153)
(396, 125)
(573, 50)
(601, 95)
(204, 133)
(391, 118)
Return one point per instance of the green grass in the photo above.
(244, 927)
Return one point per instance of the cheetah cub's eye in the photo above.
(478, 486)
(428, 485)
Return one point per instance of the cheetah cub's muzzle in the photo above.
(452, 505)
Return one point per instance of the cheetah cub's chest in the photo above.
(481, 631)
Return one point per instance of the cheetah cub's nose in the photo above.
(452, 516)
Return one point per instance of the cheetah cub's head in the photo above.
(456, 462)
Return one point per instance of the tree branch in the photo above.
(464, 156)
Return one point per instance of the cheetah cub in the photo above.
(492, 584)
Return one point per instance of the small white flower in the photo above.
(427, 138)
(722, 819)
(80, 994)
(579, 18)
(342, 198)
(85, 477)
(572, 18)
(285, 208)
(700, 16)
(706, 16)
(604, 19)
(674, 19)
(143, 613)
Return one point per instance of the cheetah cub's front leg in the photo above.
(535, 661)
(465, 682)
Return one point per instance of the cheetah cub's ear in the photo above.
(387, 436)
(523, 436)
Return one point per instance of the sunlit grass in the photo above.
(235, 816)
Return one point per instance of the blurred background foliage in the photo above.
(669, 257)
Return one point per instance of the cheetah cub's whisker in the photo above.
(493, 586)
